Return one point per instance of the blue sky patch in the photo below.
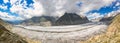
(29, 2)
(107, 9)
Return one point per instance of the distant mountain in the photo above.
(107, 18)
(41, 20)
(71, 19)
(8, 37)
(96, 19)
(14, 22)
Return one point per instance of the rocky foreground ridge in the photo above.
(111, 36)
(6, 36)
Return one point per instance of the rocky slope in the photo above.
(8, 37)
(71, 19)
(5, 24)
(115, 25)
(111, 36)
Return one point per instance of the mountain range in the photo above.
(66, 19)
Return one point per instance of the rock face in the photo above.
(41, 21)
(8, 37)
(71, 19)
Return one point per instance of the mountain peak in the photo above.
(71, 19)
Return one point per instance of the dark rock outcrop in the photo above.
(71, 19)
(106, 20)
(8, 37)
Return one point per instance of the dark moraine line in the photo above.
(56, 31)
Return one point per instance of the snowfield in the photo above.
(60, 34)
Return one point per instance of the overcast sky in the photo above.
(23, 9)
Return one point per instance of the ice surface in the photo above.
(60, 34)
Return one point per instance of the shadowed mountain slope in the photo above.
(71, 19)
(108, 18)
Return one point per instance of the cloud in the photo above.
(98, 15)
(3, 7)
(36, 10)
(56, 7)
(94, 5)
(94, 16)
(118, 4)
(52, 7)
(113, 13)
(8, 17)
(6, 1)
(13, 1)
